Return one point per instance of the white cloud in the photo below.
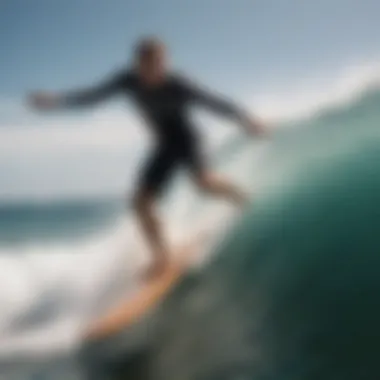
(103, 129)
(62, 157)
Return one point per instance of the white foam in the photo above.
(48, 293)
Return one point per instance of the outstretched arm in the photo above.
(222, 106)
(87, 97)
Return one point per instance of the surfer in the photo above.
(163, 97)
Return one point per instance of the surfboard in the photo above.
(191, 254)
(151, 293)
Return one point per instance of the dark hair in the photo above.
(148, 45)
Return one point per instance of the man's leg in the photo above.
(152, 231)
(208, 181)
(154, 177)
(213, 184)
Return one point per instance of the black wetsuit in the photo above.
(165, 108)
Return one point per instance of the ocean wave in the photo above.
(48, 293)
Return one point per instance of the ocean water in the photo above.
(289, 292)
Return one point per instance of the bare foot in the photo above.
(186, 253)
(155, 269)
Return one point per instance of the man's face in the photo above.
(152, 63)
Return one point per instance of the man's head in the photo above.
(150, 59)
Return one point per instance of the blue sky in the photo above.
(58, 44)
(241, 47)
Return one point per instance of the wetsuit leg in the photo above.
(158, 169)
(193, 158)
(181, 150)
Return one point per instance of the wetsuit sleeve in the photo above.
(212, 101)
(96, 94)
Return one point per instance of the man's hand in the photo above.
(44, 101)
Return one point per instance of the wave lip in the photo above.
(309, 97)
